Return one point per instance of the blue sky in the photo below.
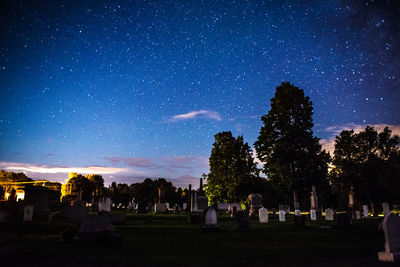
(137, 89)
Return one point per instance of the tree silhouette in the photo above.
(369, 161)
(292, 157)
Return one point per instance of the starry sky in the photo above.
(137, 89)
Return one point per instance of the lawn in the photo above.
(166, 240)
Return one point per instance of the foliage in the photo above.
(7, 177)
(147, 191)
(232, 169)
(292, 157)
(98, 183)
(369, 161)
(78, 183)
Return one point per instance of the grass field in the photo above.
(166, 240)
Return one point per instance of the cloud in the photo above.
(37, 168)
(185, 161)
(138, 162)
(208, 114)
(165, 166)
(329, 144)
(49, 155)
(113, 160)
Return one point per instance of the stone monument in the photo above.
(391, 228)
(365, 211)
(281, 215)
(313, 215)
(385, 208)
(210, 219)
(329, 214)
(263, 215)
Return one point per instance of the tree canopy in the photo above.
(292, 156)
(78, 183)
(231, 168)
(369, 161)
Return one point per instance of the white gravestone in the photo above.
(297, 212)
(263, 215)
(391, 226)
(159, 208)
(385, 208)
(28, 213)
(210, 217)
(313, 215)
(281, 215)
(329, 214)
(105, 205)
(365, 211)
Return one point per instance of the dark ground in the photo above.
(166, 240)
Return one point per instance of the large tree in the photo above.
(369, 161)
(292, 156)
(231, 168)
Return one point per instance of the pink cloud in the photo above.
(138, 162)
(114, 160)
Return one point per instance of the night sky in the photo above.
(139, 88)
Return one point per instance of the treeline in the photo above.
(293, 161)
(91, 187)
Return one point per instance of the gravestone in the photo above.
(263, 215)
(313, 215)
(385, 208)
(55, 216)
(193, 202)
(160, 208)
(96, 229)
(210, 219)
(255, 201)
(38, 198)
(391, 228)
(365, 211)
(329, 214)
(202, 202)
(105, 205)
(75, 214)
(297, 212)
(28, 213)
(281, 215)
(243, 220)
